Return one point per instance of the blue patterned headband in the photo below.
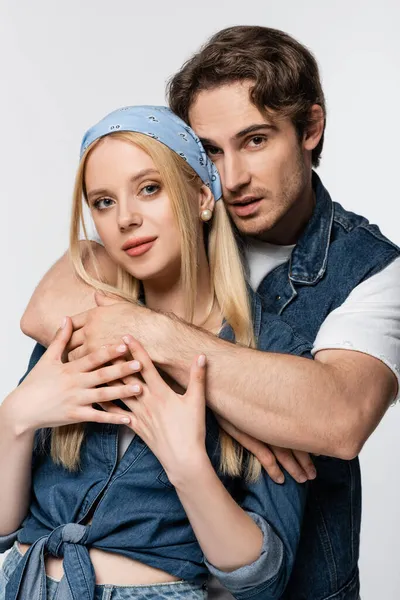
(160, 123)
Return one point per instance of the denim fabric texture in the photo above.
(152, 526)
(337, 251)
(168, 591)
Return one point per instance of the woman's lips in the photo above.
(141, 249)
(245, 210)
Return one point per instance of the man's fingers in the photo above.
(57, 347)
(79, 321)
(304, 459)
(77, 339)
(103, 300)
(259, 449)
(288, 461)
(77, 353)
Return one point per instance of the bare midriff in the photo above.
(110, 568)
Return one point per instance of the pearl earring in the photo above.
(206, 215)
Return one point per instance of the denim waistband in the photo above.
(168, 591)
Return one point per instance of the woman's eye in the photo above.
(149, 190)
(103, 203)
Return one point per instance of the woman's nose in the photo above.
(128, 219)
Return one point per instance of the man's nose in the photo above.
(234, 173)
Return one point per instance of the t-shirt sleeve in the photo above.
(368, 321)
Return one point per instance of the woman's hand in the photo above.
(171, 424)
(56, 393)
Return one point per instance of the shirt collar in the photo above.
(309, 257)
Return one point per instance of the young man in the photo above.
(254, 97)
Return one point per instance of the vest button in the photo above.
(277, 298)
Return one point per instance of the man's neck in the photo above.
(288, 230)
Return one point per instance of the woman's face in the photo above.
(132, 212)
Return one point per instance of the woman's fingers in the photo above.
(101, 416)
(148, 370)
(57, 347)
(110, 392)
(197, 378)
(119, 413)
(122, 371)
(99, 357)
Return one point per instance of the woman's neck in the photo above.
(167, 295)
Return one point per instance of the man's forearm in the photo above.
(281, 399)
(61, 293)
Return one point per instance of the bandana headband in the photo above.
(161, 124)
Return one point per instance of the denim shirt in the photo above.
(136, 511)
(336, 252)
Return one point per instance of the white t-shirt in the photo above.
(368, 321)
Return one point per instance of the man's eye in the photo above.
(257, 140)
(103, 203)
(212, 150)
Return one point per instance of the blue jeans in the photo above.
(167, 591)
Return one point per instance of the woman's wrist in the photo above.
(9, 416)
(189, 471)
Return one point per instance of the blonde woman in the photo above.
(144, 499)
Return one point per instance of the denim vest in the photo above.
(136, 512)
(337, 251)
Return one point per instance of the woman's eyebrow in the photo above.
(139, 175)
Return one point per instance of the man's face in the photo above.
(263, 166)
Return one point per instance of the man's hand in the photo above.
(298, 464)
(110, 320)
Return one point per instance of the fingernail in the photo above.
(125, 420)
(135, 388)
(126, 339)
(312, 473)
(302, 479)
(64, 322)
(121, 348)
(135, 365)
(201, 361)
(280, 479)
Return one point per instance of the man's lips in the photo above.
(139, 246)
(246, 206)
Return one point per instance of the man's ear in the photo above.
(206, 199)
(315, 128)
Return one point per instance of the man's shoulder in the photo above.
(355, 228)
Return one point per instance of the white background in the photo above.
(63, 65)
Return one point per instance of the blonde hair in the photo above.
(226, 273)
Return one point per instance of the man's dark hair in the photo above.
(285, 75)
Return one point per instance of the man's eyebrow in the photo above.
(139, 175)
(242, 133)
(253, 128)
